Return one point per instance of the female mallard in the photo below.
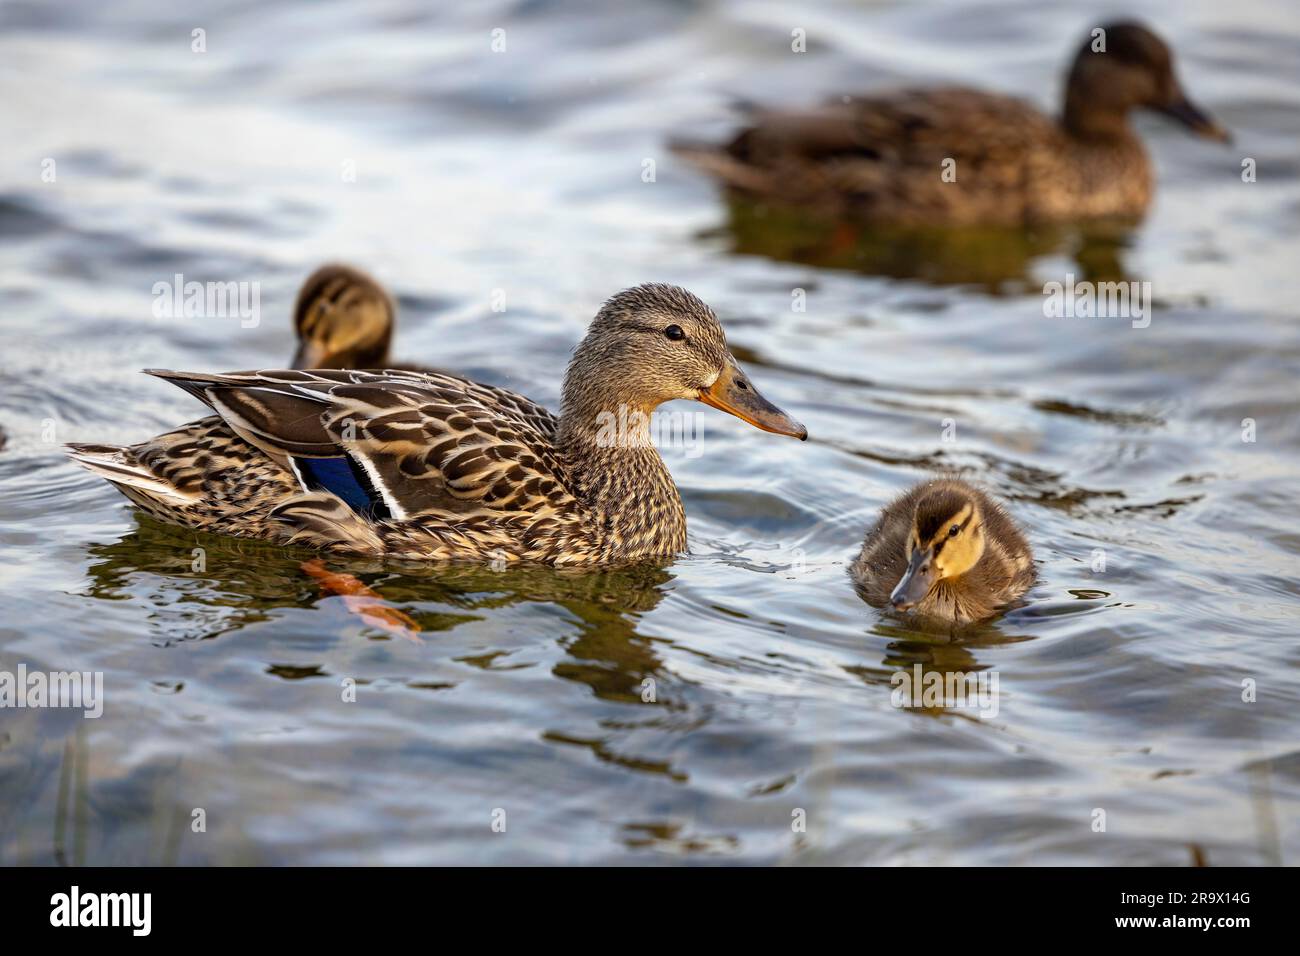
(436, 467)
(955, 156)
(343, 319)
(946, 550)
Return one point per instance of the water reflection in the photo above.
(922, 650)
(79, 824)
(201, 586)
(996, 259)
(607, 654)
(207, 586)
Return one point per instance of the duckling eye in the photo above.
(675, 333)
(952, 532)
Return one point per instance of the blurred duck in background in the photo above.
(343, 319)
(956, 156)
(944, 550)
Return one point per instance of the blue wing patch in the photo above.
(346, 479)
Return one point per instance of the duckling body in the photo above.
(435, 467)
(945, 550)
(957, 156)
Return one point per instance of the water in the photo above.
(1120, 690)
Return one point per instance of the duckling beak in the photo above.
(1195, 118)
(916, 581)
(733, 393)
(310, 355)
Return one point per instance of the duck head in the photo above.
(343, 319)
(946, 541)
(1128, 67)
(656, 343)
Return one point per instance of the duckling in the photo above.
(435, 467)
(883, 158)
(343, 319)
(946, 550)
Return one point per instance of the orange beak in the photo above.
(733, 393)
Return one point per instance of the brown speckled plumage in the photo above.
(451, 469)
(880, 158)
(1002, 572)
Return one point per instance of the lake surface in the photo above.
(1162, 689)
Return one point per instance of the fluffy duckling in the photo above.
(944, 549)
(882, 158)
(343, 319)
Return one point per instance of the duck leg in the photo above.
(363, 601)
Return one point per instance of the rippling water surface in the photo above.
(1119, 689)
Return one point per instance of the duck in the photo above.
(342, 318)
(954, 156)
(432, 467)
(944, 550)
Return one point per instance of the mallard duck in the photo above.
(343, 319)
(436, 467)
(883, 158)
(944, 549)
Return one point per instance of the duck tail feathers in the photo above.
(118, 465)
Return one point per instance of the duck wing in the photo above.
(395, 445)
(926, 125)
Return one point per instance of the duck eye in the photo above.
(952, 532)
(675, 333)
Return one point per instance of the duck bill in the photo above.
(916, 581)
(1196, 119)
(310, 355)
(734, 394)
